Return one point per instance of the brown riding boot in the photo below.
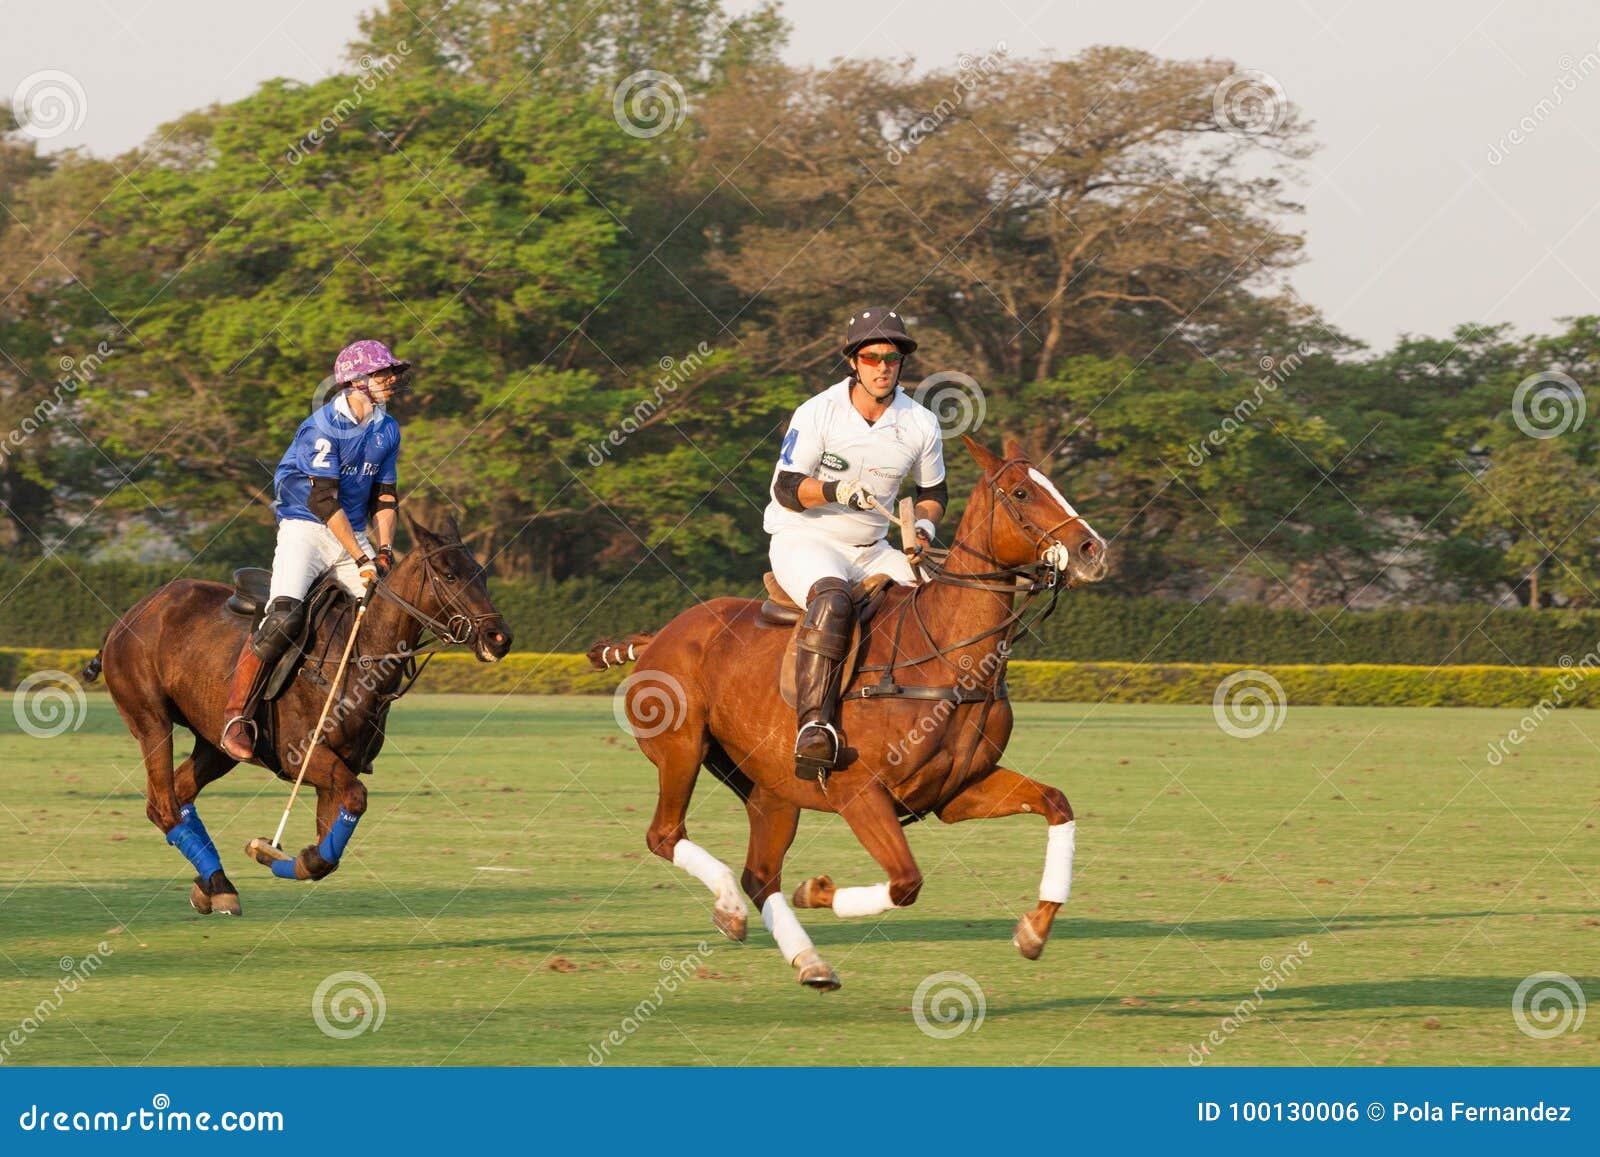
(239, 733)
(820, 647)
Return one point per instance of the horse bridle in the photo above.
(459, 627)
(1027, 579)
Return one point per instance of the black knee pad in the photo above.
(830, 617)
(279, 627)
(829, 598)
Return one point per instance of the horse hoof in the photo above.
(226, 904)
(816, 892)
(262, 852)
(814, 972)
(1028, 942)
(733, 925)
(199, 899)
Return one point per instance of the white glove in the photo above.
(855, 495)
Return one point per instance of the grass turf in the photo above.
(1424, 882)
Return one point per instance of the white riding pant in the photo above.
(305, 550)
(800, 558)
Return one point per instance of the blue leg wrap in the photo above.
(333, 844)
(283, 869)
(190, 838)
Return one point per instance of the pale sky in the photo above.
(1421, 213)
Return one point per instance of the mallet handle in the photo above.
(316, 735)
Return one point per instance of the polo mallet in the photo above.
(274, 849)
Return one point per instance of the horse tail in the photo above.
(604, 653)
(91, 669)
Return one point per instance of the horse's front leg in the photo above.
(1004, 792)
(869, 810)
(340, 806)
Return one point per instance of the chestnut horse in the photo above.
(168, 662)
(928, 719)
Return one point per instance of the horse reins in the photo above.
(1027, 580)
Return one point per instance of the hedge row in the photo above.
(1350, 685)
(64, 604)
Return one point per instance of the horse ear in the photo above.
(448, 530)
(1012, 448)
(420, 535)
(984, 456)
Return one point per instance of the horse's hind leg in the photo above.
(1004, 792)
(212, 891)
(677, 755)
(772, 826)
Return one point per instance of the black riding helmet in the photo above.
(878, 323)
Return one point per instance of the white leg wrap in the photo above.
(711, 872)
(1056, 885)
(785, 927)
(862, 901)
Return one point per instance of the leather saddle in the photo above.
(779, 610)
(251, 587)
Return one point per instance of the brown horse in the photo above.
(928, 720)
(168, 661)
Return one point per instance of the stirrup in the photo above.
(808, 768)
(249, 723)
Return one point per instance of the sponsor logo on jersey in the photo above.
(833, 462)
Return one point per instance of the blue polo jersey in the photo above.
(332, 444)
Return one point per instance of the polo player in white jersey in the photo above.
(844, 457)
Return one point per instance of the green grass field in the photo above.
(1424, 882)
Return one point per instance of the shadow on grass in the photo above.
(1409, 997)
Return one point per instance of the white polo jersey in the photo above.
(830, 440)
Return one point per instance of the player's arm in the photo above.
(384, 511)
(931, 502)
(793, 486)
(324, 503)
(933, 493)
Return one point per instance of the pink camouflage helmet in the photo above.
(358, 359)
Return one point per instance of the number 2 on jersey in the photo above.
(323, 448)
